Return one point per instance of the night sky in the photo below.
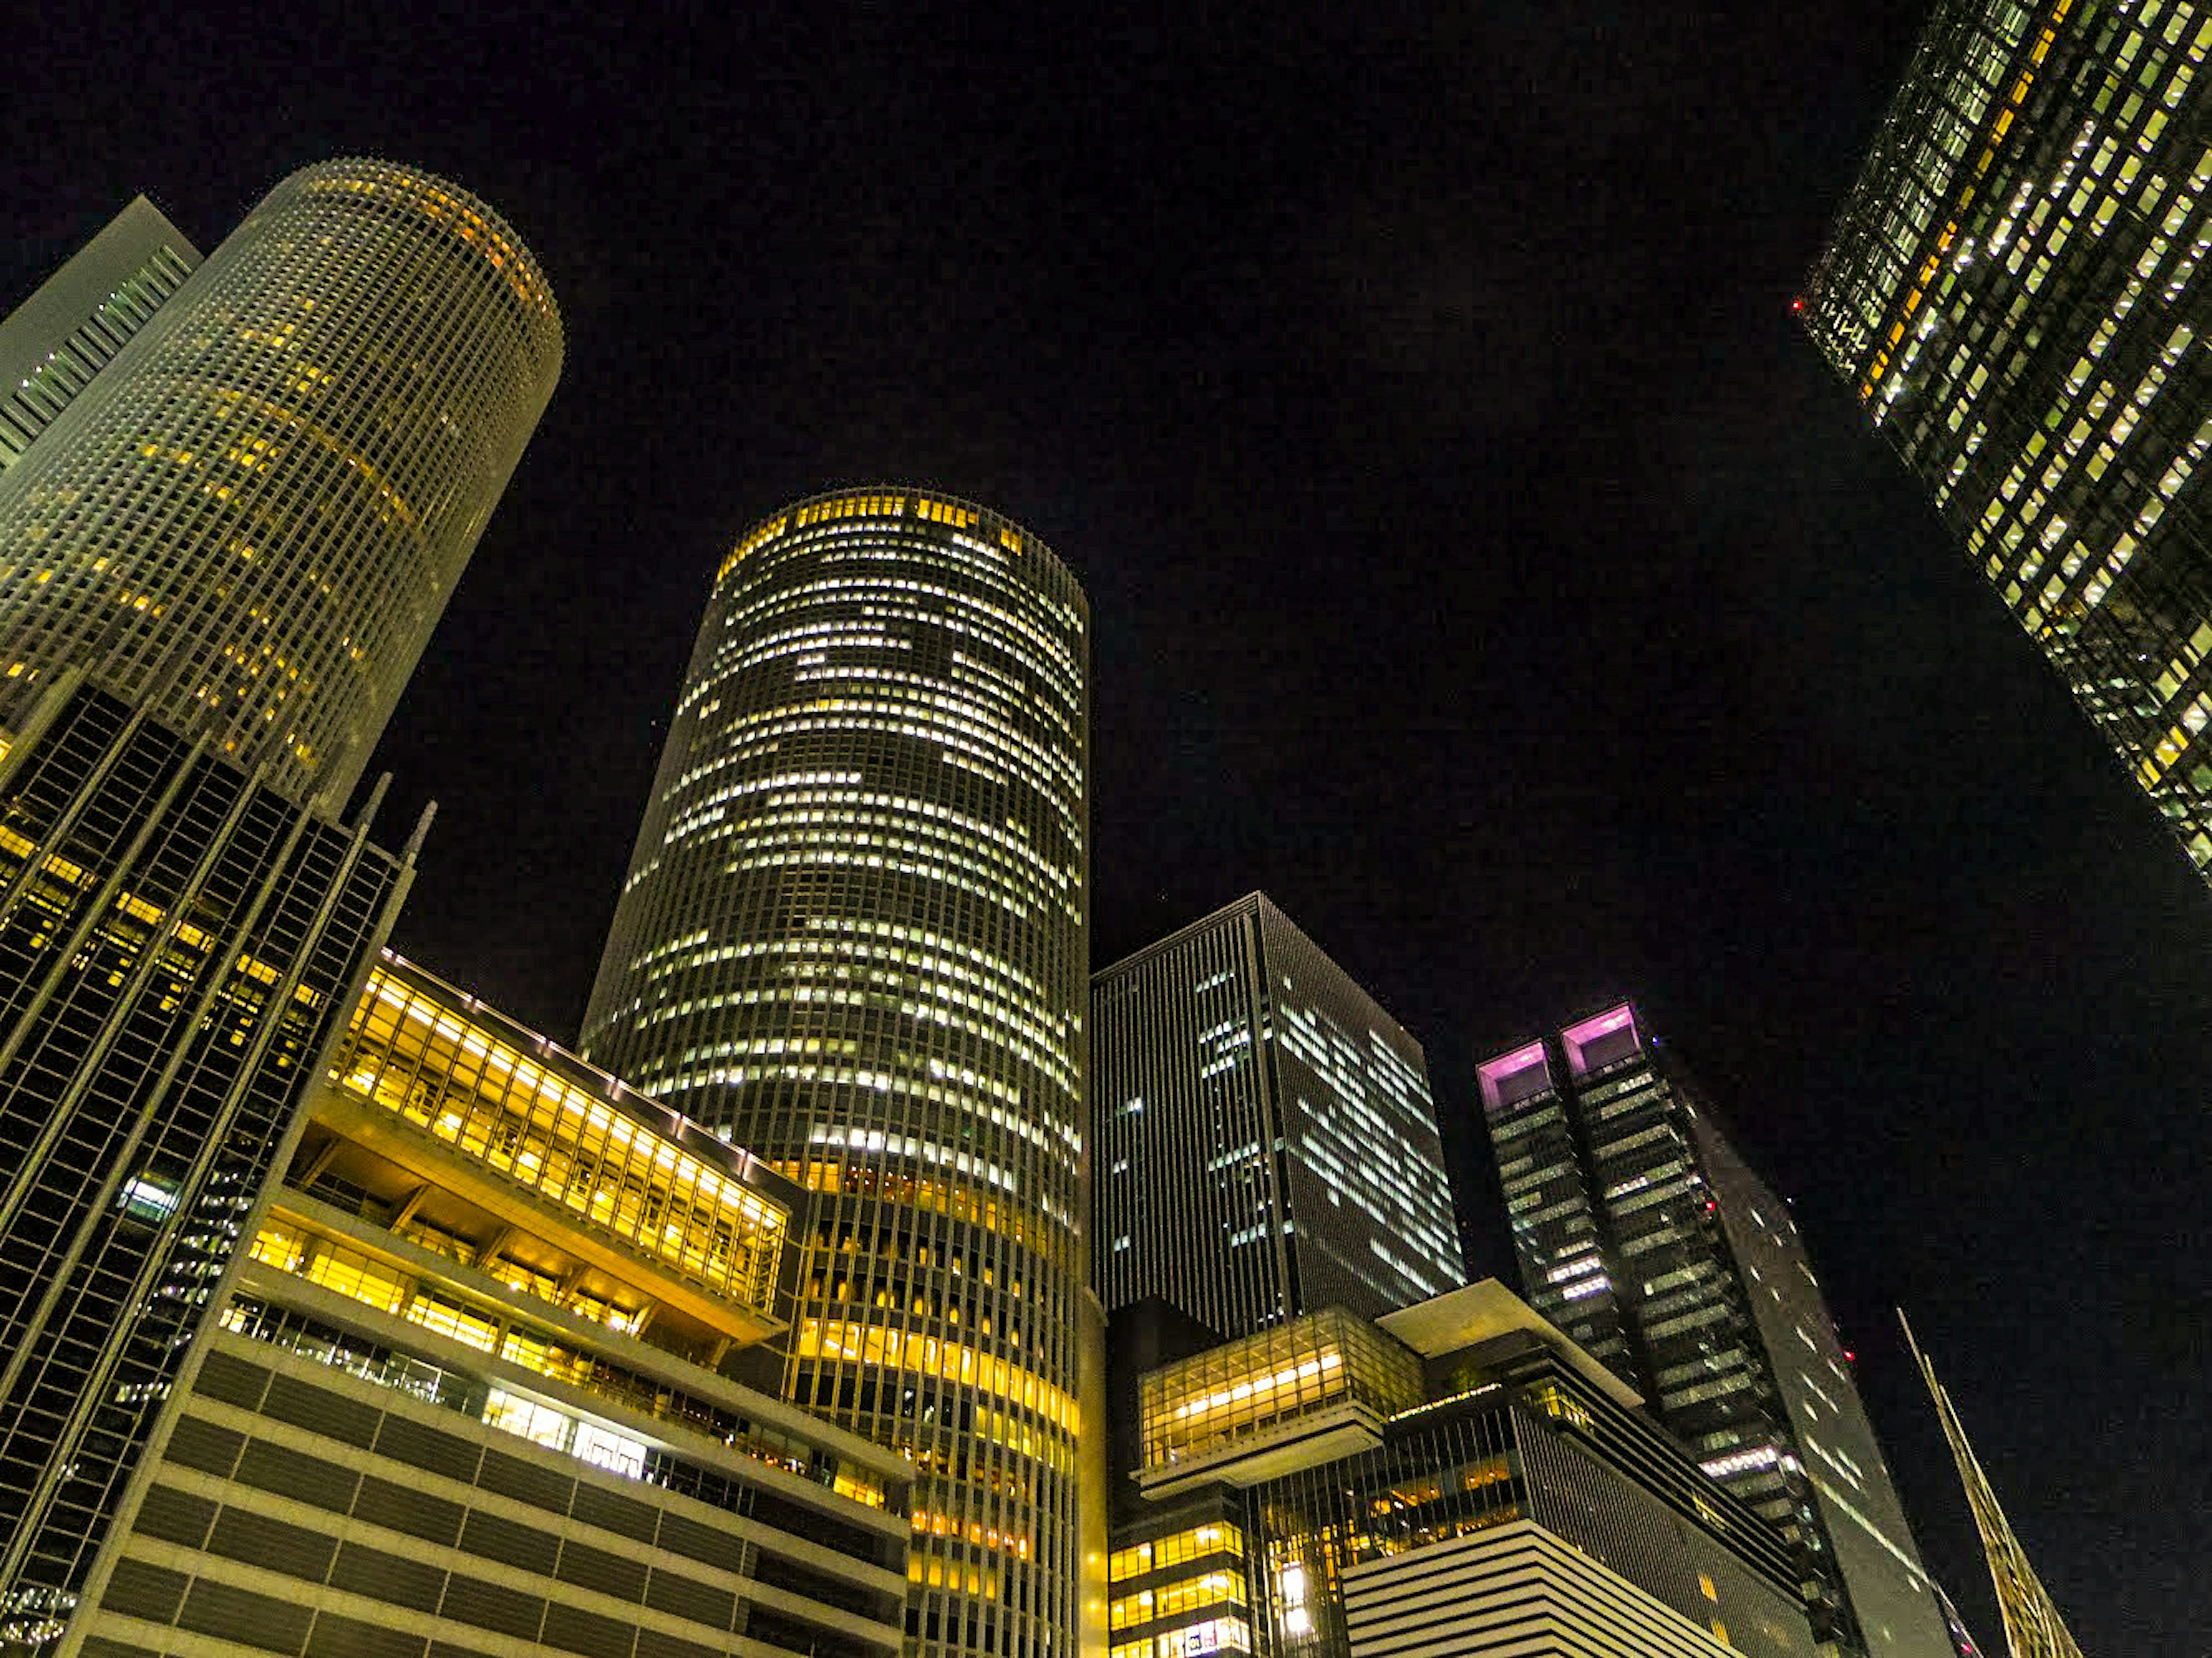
(1482, 564)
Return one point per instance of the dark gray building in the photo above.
(178, 944)
(1643, 1233)
(1266, 1143)
(2014, 292)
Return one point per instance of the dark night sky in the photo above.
(1481, 562)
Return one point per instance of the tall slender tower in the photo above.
(256, 509)
(853, 939)
(2015, 293)
(2033, 1627)
(1642, 1233)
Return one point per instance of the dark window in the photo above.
(525, 1481)
(325, 1412)
(334, 1636)
(176, 1516)
(231, 1380)
(202, 1445)
(417, 1513)
(392, 1578)
(291, 1473)
(573, 1631)
(240, 1615)
(276, 1545)
(652, 1644)
(625, 1516)
(595, 1569)
(429, 1447)
(139, 1590)
(508, 1543)
(488, 1605)
(708, 1544)
(701, 1602)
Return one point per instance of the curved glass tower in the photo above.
(255, 510)
(853, 939)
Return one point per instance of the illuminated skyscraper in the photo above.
(256, 509)
(2033, 1627)
(2013, 291)
(1643, 1233)
(1266, 1141)
(853, 939)
(54, 343)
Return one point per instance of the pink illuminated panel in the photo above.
(1610, 1036)
(1512, 1077)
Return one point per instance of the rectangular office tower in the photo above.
(467, 1390)
(1642, 1232)
(1455, 1478)
(1265, 1143)
(2013, 291)
(53, 343)
(176, 945)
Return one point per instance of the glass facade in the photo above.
(853, 937)
(257, 512)
(1266, 1141)
(2013, 292)
(1474, 1424)
(176, 947)
(1642, 1234)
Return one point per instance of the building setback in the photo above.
(1642, 1233)
(1267, 1142)
(255, 511)
(855, 938)
(1453, 1478)
(2013, 290)
(467, 1388)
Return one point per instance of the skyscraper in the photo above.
(2013, 292)
(2033, 1627)
(256, 509)
(852, 939)
(177, 944)
(1642, 1233)
(54, 343)
(1267, 1143)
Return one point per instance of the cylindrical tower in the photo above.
(853, 939)
(258, 507)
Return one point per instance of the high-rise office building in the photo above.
(53, 343)
(177, 944)
(2013, 292)
(2033, 1627)
(1642, 1233)
(852, 939)
(1453, 1478)
(1267, 1143)
(466, 1388)
(255, 510)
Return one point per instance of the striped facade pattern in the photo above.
(258, 513)
(853, 939)
(176, 947)
(1515, 1591)
(1266, 1141)
(52, 344)
(295, 1510)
